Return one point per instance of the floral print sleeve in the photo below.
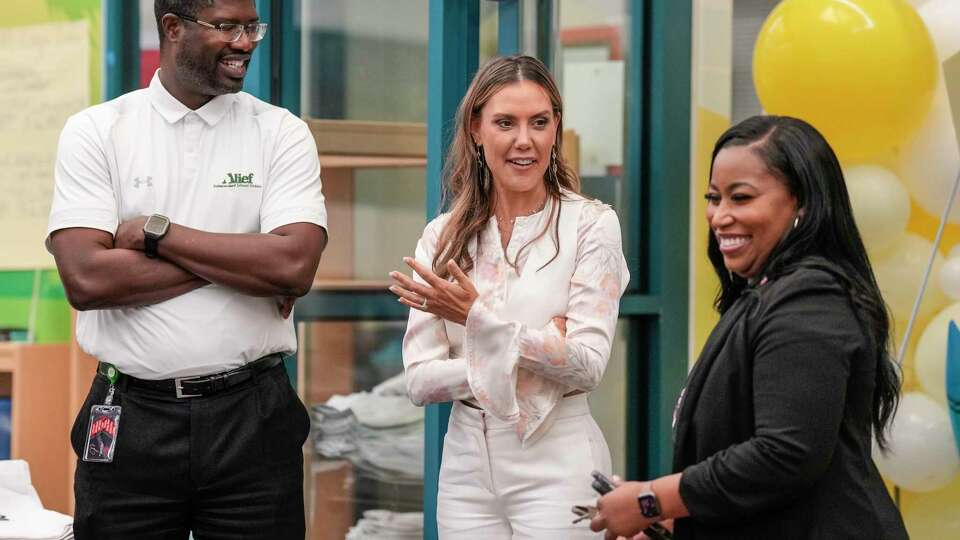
(434, 372)
(579, 359)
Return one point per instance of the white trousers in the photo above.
(492, 489)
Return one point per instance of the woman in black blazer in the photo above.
(772, 432)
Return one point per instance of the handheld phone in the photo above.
(603, 485)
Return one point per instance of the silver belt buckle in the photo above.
(177, 384)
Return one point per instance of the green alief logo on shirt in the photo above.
(237, 180)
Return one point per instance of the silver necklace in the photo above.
(512, 220)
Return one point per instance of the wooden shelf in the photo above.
(321, 284)
(338, 161)
(8, 362)
(354, 138)
(41, 416)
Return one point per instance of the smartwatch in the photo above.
(154, 230)
(649, 505)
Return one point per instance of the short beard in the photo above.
(202, 77)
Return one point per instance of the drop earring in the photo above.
(553, 166)
(482, 178)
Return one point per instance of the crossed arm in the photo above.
(101, 271)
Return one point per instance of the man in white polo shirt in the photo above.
(186, 218)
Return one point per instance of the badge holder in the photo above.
(103, 427)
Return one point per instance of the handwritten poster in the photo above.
(44, 80)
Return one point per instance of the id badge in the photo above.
(102, 433)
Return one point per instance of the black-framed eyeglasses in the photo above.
(230, 32)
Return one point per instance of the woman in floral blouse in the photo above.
(514, 298)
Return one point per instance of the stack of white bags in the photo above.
(387, 525)
(22, 516)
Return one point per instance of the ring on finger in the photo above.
(423, 305)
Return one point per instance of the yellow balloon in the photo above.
(861, 71)
(932, 515)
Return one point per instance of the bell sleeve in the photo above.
(432, 376)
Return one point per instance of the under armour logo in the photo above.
(146, 180)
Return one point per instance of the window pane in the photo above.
(364, 74)
(366, 446)
(608, 401)
(592, 68)
(365, 60)
(489, 30)
(388, 219)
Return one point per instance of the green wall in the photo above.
(52, 310)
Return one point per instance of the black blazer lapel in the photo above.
(690, 393)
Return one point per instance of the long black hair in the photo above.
(825, 236)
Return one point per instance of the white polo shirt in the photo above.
(235, 165)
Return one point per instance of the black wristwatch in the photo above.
(649, 505)
(154, 230)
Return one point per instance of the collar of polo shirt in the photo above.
(173, 110)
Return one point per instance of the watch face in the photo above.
(649, 506)
(156, 225)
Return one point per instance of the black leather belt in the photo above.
(201, 385)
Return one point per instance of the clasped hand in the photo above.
(449, 300)
(619, 515)
(129, 234)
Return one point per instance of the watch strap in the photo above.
(150, 245)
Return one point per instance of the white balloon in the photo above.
(922, 455)
(881, 205)
(950, 277)
(942, 18)
(930, 359)
(930, 159)
(899, 271)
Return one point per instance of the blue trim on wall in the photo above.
(453, 51)
(634, 303)
(634, 155)
(121, 51)
(286, 69)
(670, 29)
(274, 71)
(349, 305)
(257, 81)
(545, 47)
(656, 215)
(509, 26)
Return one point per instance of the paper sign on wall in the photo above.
(44, 80)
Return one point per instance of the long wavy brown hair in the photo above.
(468, 196)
